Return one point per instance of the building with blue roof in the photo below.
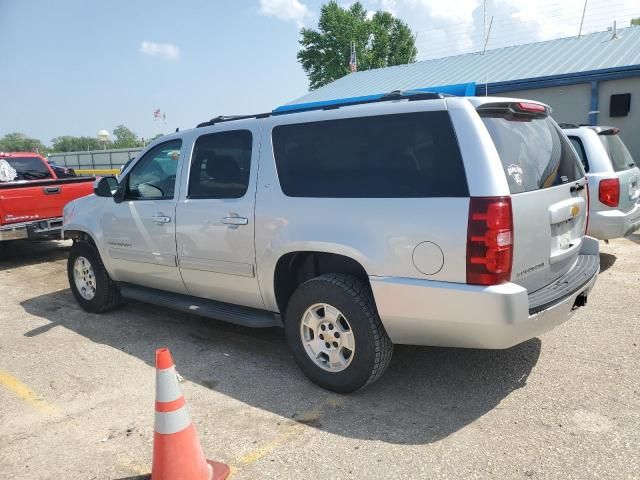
(594, 79)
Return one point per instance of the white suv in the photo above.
(412, 218)
(614, 180)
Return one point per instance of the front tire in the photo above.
(335, 334)
(90, 283)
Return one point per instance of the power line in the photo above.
(508, 32)
(590, 17)
(514, 25)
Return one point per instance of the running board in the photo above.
(227, 312)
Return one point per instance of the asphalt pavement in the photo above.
(77, 392)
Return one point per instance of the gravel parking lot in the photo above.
(77, 392)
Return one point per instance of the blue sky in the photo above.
(73, 67)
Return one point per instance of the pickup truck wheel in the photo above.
(90, 283)
(335, 334)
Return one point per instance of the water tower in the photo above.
(103, 136)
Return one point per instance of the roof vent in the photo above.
(615, 31)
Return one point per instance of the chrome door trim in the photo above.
(217, 266)
(167, 260)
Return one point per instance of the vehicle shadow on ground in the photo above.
(606, 261)
(22, 253)
(426, 395)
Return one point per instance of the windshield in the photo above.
(620, 157)
(29, 168)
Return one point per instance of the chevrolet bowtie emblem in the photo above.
(575, 210)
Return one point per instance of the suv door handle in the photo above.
(235, 220)
(158, 218)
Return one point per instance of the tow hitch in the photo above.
(581, 301)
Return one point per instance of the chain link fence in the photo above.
(95, 162)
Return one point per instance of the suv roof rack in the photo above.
(409, 95)
(231, 118)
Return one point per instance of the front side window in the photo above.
(154, 176)
(220, 165)
(388, 156)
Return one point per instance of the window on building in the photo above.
(620, 105)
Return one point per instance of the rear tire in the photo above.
(335, 334)
(90, 283)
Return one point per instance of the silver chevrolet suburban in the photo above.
(413, 218)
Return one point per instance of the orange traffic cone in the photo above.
(177, 454)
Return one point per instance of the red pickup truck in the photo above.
(31, 204)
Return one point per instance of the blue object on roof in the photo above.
(565, 61)
(461, 90)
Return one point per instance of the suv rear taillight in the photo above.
(489, 240)
(609, 192)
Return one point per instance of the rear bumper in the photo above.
(49, 228)
(610, 224)
(422, 312)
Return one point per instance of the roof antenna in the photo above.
(584, 10)
(414, 51)
(353, 61)
(485, 34)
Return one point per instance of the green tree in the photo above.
(380, 41)
(69, 143)
(635, 21)
(155, 137)
(19, 142)
(125, 138)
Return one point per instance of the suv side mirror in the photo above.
(105, 187)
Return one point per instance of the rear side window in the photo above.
(387, 156)
(220, 165)
(534, 152)
(577, 144)
(620, 157)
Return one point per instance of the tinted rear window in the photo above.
(29, 168)
(388, 156)
(620, 157)
(534, 152)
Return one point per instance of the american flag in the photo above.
(353, 61)
(157, 114)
